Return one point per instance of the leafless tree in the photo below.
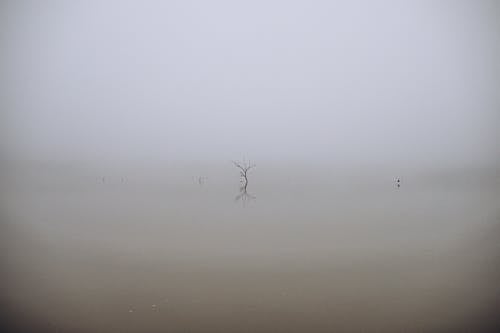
(244, 168)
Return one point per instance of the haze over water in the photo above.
(160, 252)
(120, 208)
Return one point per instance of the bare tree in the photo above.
(244, 168)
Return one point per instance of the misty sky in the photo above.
(367, 81)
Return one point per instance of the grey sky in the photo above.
(371, 81)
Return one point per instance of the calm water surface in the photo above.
(308, 250)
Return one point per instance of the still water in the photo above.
(307, 249)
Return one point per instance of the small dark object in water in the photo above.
(201, 180)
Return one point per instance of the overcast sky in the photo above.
(371, 81)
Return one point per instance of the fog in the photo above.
(372, 200)
(358, 82)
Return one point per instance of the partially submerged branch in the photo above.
(244, 168)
